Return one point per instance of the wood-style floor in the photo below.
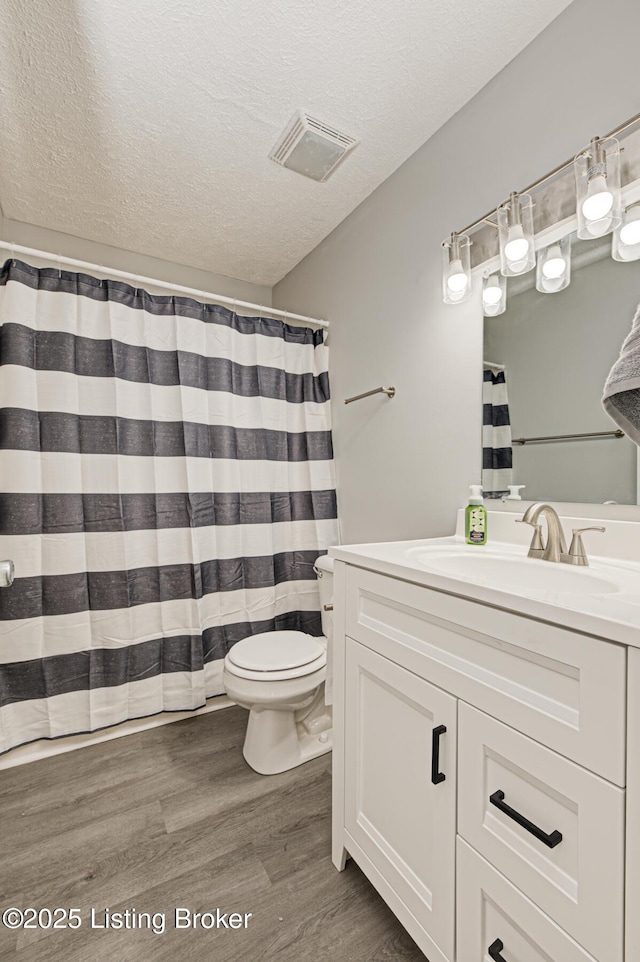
(174, 817)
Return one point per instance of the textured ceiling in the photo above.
(147, 124)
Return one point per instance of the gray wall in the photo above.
(404, 465)
(558, 350)
(41, 238)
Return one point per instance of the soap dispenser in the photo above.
(475, 517)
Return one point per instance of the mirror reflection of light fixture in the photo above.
(554, 267)
(494, 294)
(515, 229)
(597, 171)
(626, 237)
(456, 269)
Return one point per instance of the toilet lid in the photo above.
(275, 651)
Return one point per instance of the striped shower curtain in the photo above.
(166, 483)
(497, 449)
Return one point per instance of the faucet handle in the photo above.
(536, 548)
(577, 555)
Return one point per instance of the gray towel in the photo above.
(621, 398)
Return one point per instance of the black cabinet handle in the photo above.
(495, 949)
(551, 840)
(436, 775)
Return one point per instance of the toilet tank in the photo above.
(324, 570)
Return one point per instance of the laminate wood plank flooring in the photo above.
(174, 817)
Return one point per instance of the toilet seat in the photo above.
(276, 656)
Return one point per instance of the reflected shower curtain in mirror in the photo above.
(497, 453)
(166, 483)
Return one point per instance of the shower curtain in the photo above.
(497, 451)
(166, 484)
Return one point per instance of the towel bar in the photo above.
(389, 391)
(570, 437)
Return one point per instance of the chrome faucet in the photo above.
(555, 548)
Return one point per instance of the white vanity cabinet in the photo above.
(480, 773)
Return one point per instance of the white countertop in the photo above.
(614, 615)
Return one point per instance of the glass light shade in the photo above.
(599, 197)
(456, 269)
(494, 295)
(553, 273)
(626, 237)
(515, 228)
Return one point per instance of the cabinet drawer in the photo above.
(562, 688)
(493, 913)
(555, 830)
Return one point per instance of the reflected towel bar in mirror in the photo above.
(571, 437)
(389, 391)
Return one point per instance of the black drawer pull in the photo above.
(551, 840)
(495, 949)
(436, 775)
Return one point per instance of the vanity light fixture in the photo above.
(599, 212)
(494, 294)
(456, 268)
(626, 237)
(515, 230)
(597, 171)
(554, 267)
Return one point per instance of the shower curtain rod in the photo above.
(165, 285)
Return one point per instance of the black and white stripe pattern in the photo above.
(497, 452)
(166, 483)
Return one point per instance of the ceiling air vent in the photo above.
(311, 148)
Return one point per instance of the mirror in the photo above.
(550, 355)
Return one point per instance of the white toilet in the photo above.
(279, 676)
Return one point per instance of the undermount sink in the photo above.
(512, 572)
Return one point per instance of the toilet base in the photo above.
(273, 745)
(289, 722)
(276, 741)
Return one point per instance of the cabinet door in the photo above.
(400, 796)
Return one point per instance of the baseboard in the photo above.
(46, 749)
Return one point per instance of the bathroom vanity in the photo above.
(487, 743)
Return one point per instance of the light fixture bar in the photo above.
(567, 165)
